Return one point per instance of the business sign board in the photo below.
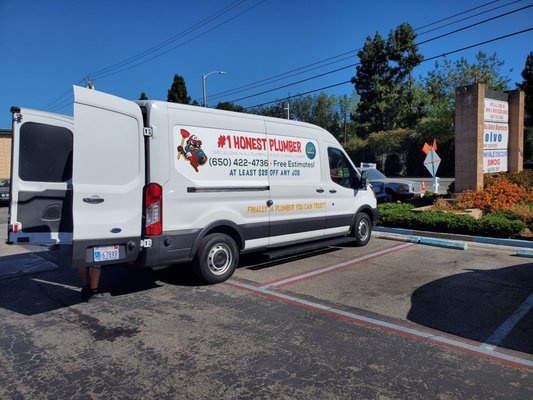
(495, 136)
(495, 161)
(496, 111)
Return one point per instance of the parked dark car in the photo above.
(392, 189)
(4, 191)
(528, 165)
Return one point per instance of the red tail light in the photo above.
(153, 209)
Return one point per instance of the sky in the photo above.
(48, 46)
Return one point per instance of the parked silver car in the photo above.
(392, 189)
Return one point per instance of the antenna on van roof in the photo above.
(90, 84)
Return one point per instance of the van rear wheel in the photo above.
(217, 258)
(362, 229)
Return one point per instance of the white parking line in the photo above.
(471, 347)
(504, 329)
(321, 271)
(57, 284)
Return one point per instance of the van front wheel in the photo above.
(362, 229)
(217, 258)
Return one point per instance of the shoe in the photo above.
(85, 293)
(96, 295)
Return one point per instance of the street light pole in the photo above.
(203, 83)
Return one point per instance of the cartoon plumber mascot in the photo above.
(192, 151)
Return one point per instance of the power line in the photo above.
(478, 44)
(104, 72)
(458, 14)
(427, 59)
(306, 68)
(301, 94)
(272, 80)
(477, 23)
(353, 65)
(184, 43)
(295, 83)
(471, 16)
(58, 99)
(168, 41)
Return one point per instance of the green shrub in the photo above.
(498, 226)
(402, 216)
(428, 199)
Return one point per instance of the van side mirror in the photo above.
(364, 181)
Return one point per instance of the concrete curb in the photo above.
(438, 242)
(524, 253)
(454, 237)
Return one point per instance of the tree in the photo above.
(437, 97)
(347, 106)
(230, 107)
(441, 82)
(178, 91)
(383, 80)
(527, 87)
(143, 96)
(275, 110)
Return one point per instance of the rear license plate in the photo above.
(106, 253)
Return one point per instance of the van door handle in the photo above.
(93, 200)
(320, 190)
(333, 191)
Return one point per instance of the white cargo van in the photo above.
(160, 183)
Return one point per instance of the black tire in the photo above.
(362, 229)
(217, 258)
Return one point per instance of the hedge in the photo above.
(401, 216)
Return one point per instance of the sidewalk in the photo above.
(384, 231)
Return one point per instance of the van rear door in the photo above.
(41, 177)
(108, 178)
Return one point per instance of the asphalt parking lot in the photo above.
(390, 320)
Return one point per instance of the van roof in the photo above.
(187, 107)
(46, 114)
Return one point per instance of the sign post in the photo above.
(432, 163)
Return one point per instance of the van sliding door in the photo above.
(297, 189)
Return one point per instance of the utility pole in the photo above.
(345, 129)
(288, 108)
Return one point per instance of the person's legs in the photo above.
(90, 279)
(94, 278)
(84, 278)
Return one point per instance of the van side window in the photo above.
(45, 153)
(341, 170)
